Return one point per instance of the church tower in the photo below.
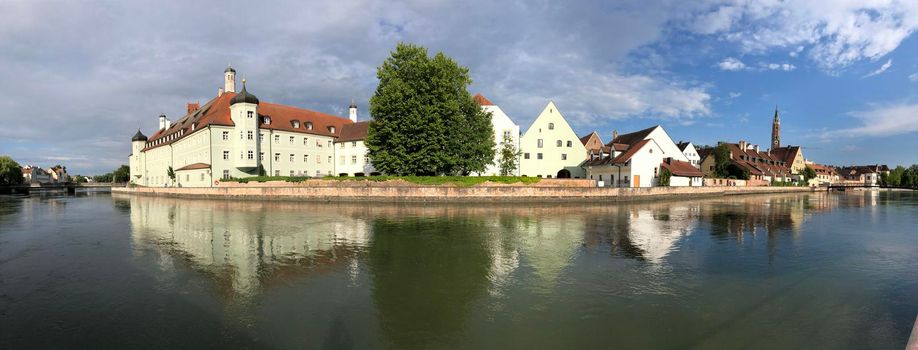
(776, 131)
(352, 111)
(229, 79)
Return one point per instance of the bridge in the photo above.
(68, 187)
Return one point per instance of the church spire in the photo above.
(776, 130)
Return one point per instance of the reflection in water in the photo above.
(430, 272)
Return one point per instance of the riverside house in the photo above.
(551, 148)
(636, 160)
(504, 127)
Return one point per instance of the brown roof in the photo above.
(619, 146)
(622, 158)
(217, 112)
(194, 166)
(354, 132)
(786, 154)
(586, 138)
(680, 168)
(632, 138)
(482, 101)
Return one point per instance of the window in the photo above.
(342, 145)
(276, 138)
(291, 157)
(261, 155)
(305, 141)
(225, 155)
(261, 137)
(241, 155)
(305, 158)
(277, 157)
(250, 135)
(308, 125)
(187, 177)
(329, 159)
(226, 174)
(202, 176)
(267, 120)
(277, 173)
(251, 155)
(296, 124)
(241, 135)
(569, 143)
(329, 144)
(506, 134)
(538, 156)
(251, 114)
(331, 129)
(291, 172)
(563, 156)
(551, 126)
(291, 140)
(353, 159)
(539, 143)
(525, 155)
(651, 151)
(558, 144)
(354, 144)
(225, 135)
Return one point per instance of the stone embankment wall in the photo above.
(544, 191)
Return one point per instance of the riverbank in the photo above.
(547, 190)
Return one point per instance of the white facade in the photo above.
(352, 159)
(691, 154)
(639, 165)
(503, 127)
(550, 147)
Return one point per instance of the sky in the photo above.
(78, 78)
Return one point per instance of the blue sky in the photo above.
(80, 78)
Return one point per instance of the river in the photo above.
(96, 270)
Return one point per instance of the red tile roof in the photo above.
(482, 101)
(634, 137)
(354, 132)
(194, 166)
(680, 168)
(217, 112)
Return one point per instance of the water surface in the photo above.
(764, 272)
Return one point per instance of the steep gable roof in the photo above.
(481, 100)
(680, 168)
(634, 137)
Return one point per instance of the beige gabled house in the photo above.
(550, 147)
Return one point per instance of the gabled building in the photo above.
(235, 135)
(688, 149)
(825, 175)
(33, 175)
(763, 168)
(636, 160)
(551, 148)
(792, 156)
(351, 149)
(863, 174)
(504, 127)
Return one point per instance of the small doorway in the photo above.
(564, 174)
(637, 181)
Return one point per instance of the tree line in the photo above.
(901, 176)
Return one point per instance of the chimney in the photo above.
(193, 107)
(162, 121)
(756, 148)
(742, 145)
(614, 135)
(219, 92)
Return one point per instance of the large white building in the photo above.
(551, 148)
(504, 127)
(351, 149)
(236, 135)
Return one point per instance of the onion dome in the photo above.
(244, 96)
(229, 68)
(139, 136)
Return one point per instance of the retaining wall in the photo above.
(385, 191)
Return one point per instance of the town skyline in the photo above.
(845, 93)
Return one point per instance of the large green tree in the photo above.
(722, 160)
(424, 119)
(10, 171)
(122, 174)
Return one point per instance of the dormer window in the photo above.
(308, 125)
(296, 124)
(331, 129)
(267, 120)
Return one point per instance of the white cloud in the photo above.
(880, 70)
(895, 119)
(731, 64)
(835, 33)
(913, 77)
(787, 67)
(734, 94)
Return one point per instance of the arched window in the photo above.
(308, 125)
(296, 124)
(551, 126)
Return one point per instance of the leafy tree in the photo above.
(424, 119)
(508, 159)
(107, 177)
(79, 179)
(123, 174)
(665, 176)
(10, 171)
(722, 160)
(170, 173)
(808, 173)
